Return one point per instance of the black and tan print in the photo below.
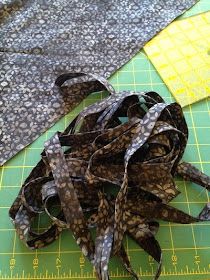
(42, 39)
(113, 175)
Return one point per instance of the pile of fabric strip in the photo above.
(112, 169)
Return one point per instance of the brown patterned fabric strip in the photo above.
(112, 169)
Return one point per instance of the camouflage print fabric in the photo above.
(41, 39)
(137, 158)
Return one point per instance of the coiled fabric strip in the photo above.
(112, 169)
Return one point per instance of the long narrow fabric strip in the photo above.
(112, 169)
(40, 40)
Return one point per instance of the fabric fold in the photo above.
(40, 40)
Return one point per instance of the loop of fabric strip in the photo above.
(116, 174)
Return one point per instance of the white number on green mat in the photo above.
(12, 263)
(197, 260)
(81, 261)
(35, 263)
(58, 263)
(174, 259)
(151, 260)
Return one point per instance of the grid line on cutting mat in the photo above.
(186, 248)
(180, 53)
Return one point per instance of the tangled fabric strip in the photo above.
(112, 169)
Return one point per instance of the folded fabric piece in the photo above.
(181, 55)
(41, 39)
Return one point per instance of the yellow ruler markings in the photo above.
(13, 260)
(181, 272)
(207, 103)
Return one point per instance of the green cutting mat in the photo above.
(186, 248)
